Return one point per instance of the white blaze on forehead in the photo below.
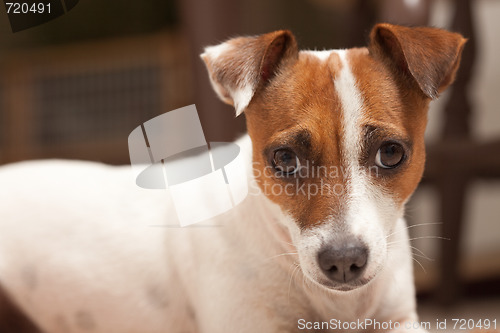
(321, 55)
(352, 112)
(352, 108)
(368, 209)
(362, 213)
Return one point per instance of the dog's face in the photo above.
(338, 136)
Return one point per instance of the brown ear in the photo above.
(241, 66)
(429, 56)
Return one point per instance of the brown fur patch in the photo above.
(396, 114)
(429, 56)
(301, 99)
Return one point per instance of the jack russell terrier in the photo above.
(78, 253)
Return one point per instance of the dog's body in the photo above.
(82, 249)
(82, 262)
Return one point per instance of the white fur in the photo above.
(242, 97)
(322, 55)
(367, 208)
(216, 51)
(239, 93)
(83, 249)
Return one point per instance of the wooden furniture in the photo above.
(207, 23)
(458, 160)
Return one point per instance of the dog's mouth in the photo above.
(348, 286)
(336, 286)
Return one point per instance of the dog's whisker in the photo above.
(418, 262)
(297, 267)
(415, 238)
(304, 282)
(288, 243)
(417, 249)
(422, 254)
(281, 255)
(430, 237)
(412, 226)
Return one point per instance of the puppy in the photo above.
(335, 148)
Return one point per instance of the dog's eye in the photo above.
(389, 155)
(286, 162)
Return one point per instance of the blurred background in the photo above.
(75, 87)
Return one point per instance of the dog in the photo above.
(335, 148)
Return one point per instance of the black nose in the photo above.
(343, 262)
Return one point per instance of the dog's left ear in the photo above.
(429, 56)
(241, 66)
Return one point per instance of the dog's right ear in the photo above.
(241, 66)
(428, 56)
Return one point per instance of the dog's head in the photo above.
(338, 136)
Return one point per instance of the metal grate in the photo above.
(96, 104)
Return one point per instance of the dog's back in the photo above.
(78, 236)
